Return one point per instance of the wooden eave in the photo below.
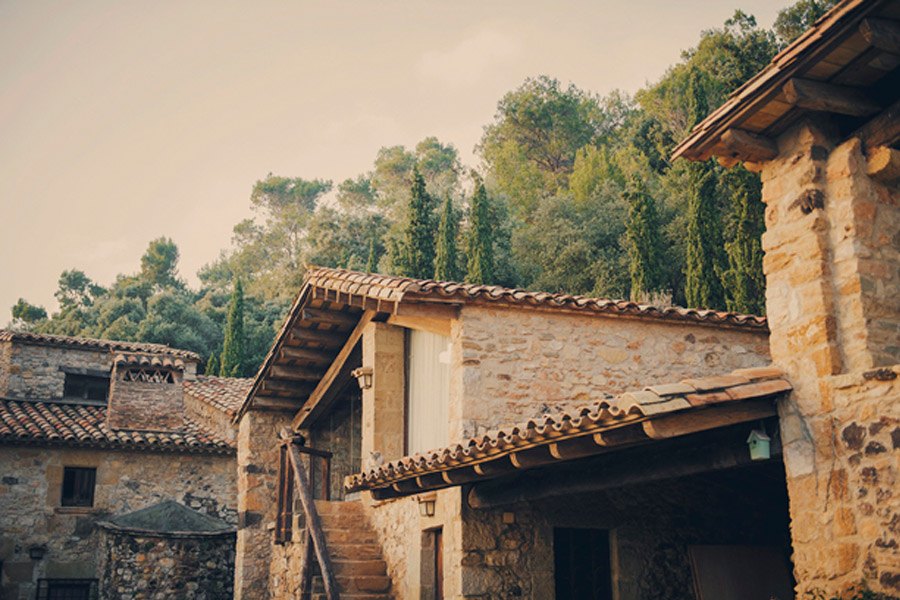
(846, 65)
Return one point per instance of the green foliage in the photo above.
(446, 259)
(212, 365)
(743, 280)
(372, 260)
(233, 359)
(416, 252)
(800, 16)
(28, 314)
(159, 264)
(76, 290)
(703, 260)
(645, 258)
(480, 246)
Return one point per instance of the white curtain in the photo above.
(428, 393)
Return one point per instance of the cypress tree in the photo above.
(417, 251)
(702, 287)
(745, 284)
(480, 247)
(212, 365)
(372, 261)
(642, 232)
(446, 261)
(233, 348)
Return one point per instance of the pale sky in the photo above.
(124, 121)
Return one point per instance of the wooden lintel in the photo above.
(329, 339)
(332, 317)
(304, 354)
(882, 130)
(319, 398)
(533, 457)
(748, 146)
(694, 421)
(439, 326)
(828, 97)
(882, 34)
(429, 310)
(295, 373)
(883, 164)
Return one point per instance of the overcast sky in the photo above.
(124, 121)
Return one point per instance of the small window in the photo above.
(67, 589)
(86, 387)
(78, 486)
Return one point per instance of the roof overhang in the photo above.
(846, 66)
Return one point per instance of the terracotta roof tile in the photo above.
(91, 343)
(608, 414)
(224, 393)
(40, 423)
(396, 289)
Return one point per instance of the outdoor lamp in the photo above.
(363, 377)
(759, 445)
(37, 552)
(427, 504)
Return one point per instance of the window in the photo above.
(285, 507)
(78, 486)
(86, 387)
(67, 589)
(428, 390)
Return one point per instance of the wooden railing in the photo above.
(303, 486)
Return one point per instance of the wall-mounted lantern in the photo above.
(37, 552)
(427, 504)
(363, 377)
(758, 443)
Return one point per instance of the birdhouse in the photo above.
(759, 445)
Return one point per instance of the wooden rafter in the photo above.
(882, 130)
(321, 395)
(749, 146)
(882, 34)
(827, 97)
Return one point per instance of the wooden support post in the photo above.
(882, 34)
(883, 164)
(827, 97)
(749, 146)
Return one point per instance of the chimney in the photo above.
(145, 393)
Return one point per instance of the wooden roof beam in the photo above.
(295, 373)
(827, 97)
(883, 164)
(749, 146)
(332, 317)
(280, 386)
(329, 339)
(321, 396)
(883, 130)
(882, 34)
(304, 354)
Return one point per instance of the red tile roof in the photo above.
(610, 413)
(223, 393)
(388, 289)
(82, 425)
(47, 339)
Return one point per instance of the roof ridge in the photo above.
(99, 343)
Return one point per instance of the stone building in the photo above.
(91, 429)
(375, 453)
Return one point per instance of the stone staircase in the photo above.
(359, 566)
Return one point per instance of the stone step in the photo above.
(343, 520)
(350, 536)
(363, 584)
(354, 551)
(331, 507)
(359, 567)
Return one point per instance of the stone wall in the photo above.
(165, 566)
(209, 417)
(31, 515)
(145, 406)
(257, 479)
(34, 370)
(832, 261)
(511, 365)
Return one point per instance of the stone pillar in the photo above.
(832, 267)
(257, 464)
(384, 403)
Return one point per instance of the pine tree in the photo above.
(416, 256)
(372, 261)
(703, 260)
(446, 259)
(480, 247)
(233, 348)
(212, 365)
(744, 282)
(644, 236)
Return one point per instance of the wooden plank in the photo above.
(331, 317)
(881, 33)
(883, 164)
(827, 97)
(432, 325)
(304, 354)
(296, 373)
(329, 339)
(319, 396)
(749, 146)
(709, 418)
(314, 524)
(286, 387)
(275, 403)
(882, 130)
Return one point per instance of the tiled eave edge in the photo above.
(118, 447)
